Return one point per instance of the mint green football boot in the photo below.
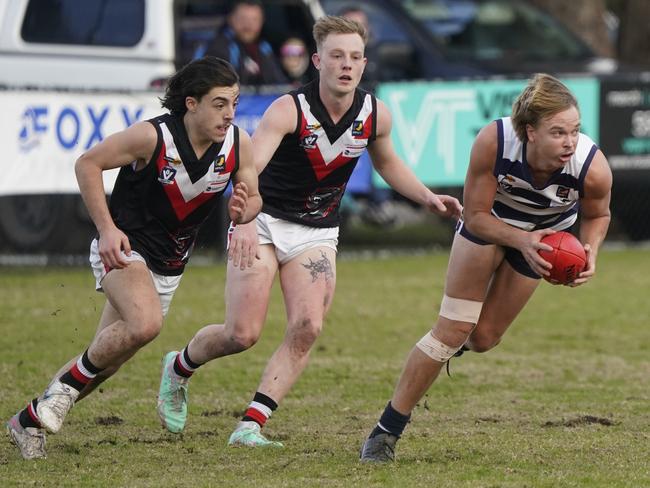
(248, 434)
(172, 396)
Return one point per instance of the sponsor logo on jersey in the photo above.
(219, 164)
(562, 192)
(353, 151)
(357, 128)
(218, 183)
(167, 175)
(309, 142)
(174, 161)
(313, 127)
(506, 183)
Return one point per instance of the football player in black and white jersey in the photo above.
(529, 175)
(173, 170)
(306, 146)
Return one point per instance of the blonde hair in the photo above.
(544, 96)
(330, 24)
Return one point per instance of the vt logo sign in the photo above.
(425, 124)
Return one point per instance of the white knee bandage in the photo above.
(435, 349)
(460, 309)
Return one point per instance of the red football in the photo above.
(567, 257)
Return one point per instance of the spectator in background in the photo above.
(240, 43)
(294, 58)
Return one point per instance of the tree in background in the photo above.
(585, 18)
(634, 35)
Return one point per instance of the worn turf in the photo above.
(564, 401)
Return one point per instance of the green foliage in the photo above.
(563, 401)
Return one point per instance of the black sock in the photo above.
(81, 373)
(391, 422)
(185, 370)
(254, 415)
(25, 419)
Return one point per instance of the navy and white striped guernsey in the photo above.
(519, 202)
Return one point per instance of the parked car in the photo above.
(451, 39)
(120, 44)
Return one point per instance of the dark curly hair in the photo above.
(195, 79)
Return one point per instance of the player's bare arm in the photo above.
(399, 176)
(280, 119)
(137, 143)
(594, 212)
(478, 198)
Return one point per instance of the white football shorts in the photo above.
(165, 285)
(291, 239)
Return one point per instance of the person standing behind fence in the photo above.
(240, 43)
(173, 170)
(295, 60)
(528, 176)
(306, 147)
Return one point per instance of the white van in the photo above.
(120, 44)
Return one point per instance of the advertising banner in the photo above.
(43, 133)
(625, 124)
(435, 123)
(625, 140)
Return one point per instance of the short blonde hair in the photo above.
(544, 96)
(330, 24)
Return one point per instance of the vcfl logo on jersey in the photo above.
(309, 142)
(219, 164)
(357, 128)
(167, 175)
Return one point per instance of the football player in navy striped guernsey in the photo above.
(306, 146)
(173, 170)
(529, 175)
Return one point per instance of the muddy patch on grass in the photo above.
(207, 433)
(580, 421)
(488, 419)
(218, 412)
(112, 420)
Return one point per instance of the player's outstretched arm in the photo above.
(399, 176)
(136, 143)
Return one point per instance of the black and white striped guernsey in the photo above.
(519, 202)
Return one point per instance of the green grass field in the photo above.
(564, 401)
